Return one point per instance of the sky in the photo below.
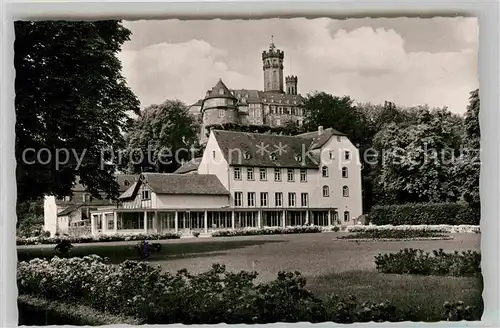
(409, 61)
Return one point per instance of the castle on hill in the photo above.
(276, 105)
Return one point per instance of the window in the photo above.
(347, 155)
(221, 91)
(238, 198)
(145, 195)
(263, 199)
(237, 173)
(303, 175)
(247, 155)
(250, 173)
(213, 154)
(278, 199)
(298, 158)
(251, 199)
(332, 155)
(346, 216)
(221, 113)
(326, 191)
(339, 138)
(291, 199)
(290, 175)
(277, 174)
(273, 156)
(344, 172)
(304, 199)
(263, 174)
(324, 172)
(67, 198)
(126, 183)
(278, 122)
(345, 191)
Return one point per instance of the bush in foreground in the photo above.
(155, 297)
(395, 234)
(97, 239)
(416, 261)
(267, 231)
(432, 213)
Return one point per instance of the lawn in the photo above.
(330, 265)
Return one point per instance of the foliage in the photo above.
(196, 234)
(70, 95)
(417, 160)
(98, 238)
(427, 213)
(160, 139)
(267, 231)
(457, 311)
(215, 296)
(288, 128)
(30, 219)
(466, 171)
(395, 234)
(35, 311)
(144, 249)
(63, 247)
(416, 261)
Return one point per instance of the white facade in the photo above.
(327, 192)
(332, 156)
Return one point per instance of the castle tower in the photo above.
(272, 61)
(291, 84)
(219, 107)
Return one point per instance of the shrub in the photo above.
(139, 290)
(267, 231)
(432, 213)
(395, 234)
(144, 249)
(416, 261)
(98, 238)
(63, 247)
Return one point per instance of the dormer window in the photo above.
(126, 183)
(272, 156)
(298, 158)
(221, 91)
(146, 195)
(247, 155)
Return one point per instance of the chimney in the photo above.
(320, 130)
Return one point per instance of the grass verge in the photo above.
(415, 296)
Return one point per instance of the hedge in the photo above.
(416, 261)
(429, 213)
(152, 296)
(441, 228)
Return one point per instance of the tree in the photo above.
(161, 138)
(340, 113)
(417, 160)
(71, 101)
(468, 167)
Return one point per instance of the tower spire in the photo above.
(272, 43)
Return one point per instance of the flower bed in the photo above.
(438, 228)
(267, 231)
(146, 293)
(416, 261)
(97, 239)
(395, 234)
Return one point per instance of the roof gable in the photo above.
(265, 150)
(178, 184)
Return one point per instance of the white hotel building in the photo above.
(242, 180)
